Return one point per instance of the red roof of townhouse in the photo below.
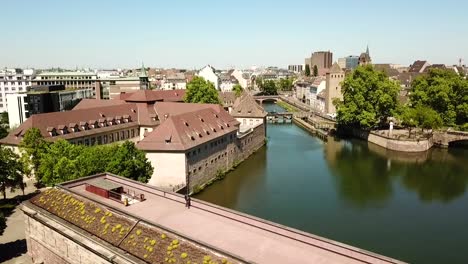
(187, 130)
(70, 124)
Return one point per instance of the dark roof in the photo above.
(417, 66)
(387, 69)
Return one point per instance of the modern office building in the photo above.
(322, 59)
(71, 80)
(43, 99)
(13, 81)
(297, 68)
(351, 62)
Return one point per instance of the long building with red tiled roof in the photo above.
(182, 140)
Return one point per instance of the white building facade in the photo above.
(13, 81)
(208, 73)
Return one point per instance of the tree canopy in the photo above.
(63, 161)
(4, 118)
(285, 84)
(237, 89)
(369, 98)
(445, 92)
(32, 147)
(307, 70)
(315, 70)
(201, 91)
(11, 175)
(269, 88)
(420, 116)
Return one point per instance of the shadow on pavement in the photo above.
(8, 205)
(12, 249)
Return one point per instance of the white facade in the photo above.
(16, 109)
(13, 81)
(169, 169)
(241, 78)
(174, 82)
(208, 73)
(316, 88)
(248, 123)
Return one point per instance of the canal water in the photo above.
(413, 207)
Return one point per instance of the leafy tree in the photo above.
(11, 175)
(201, 91)
(259, 83)
(285, 84)
(238, 90)
(315, 71)
(307, 70)
(63, 161)
(420, 116)
(369, 98)
(269, 88)
(4, 118)
(3, 132)
(32, 147)
(2, 223)
(130, 162)
(445, 92)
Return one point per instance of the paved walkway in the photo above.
(13, 241)
(253, 239)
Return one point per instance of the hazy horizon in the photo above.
(189, 35)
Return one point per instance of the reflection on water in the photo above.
(411, 206)
(364, 173)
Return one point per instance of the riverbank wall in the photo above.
(206, 170)
(402, 145)
(310, 128)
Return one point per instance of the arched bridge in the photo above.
(445, 138)
(271, 98)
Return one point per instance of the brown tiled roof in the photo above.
(246, 106)
(435, 66)
(70, 119)
(149, 96)
(417, 66)
(228, 98)
(185, 131)
(92, 103)
(164, 110)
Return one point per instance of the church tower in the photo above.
(144, 82)
(365, 58)
(333, 87)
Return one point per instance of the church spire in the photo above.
(367, 50)
(143, 71)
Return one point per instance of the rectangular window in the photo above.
(99, 140)
(105, 139)
(133, 133)
(93, 141)
(86, 142)
(117, 137)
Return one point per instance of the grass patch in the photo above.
(287, 107)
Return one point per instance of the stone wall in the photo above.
(51, 242)
(389, 143)
(228, 153)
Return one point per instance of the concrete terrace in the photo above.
(253, 239)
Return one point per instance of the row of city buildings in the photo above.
(319, 91)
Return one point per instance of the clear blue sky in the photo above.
(189, 34)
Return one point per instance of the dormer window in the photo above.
(168, 138)
(74, 127)
(63, 129)
(102, 122)
(118, 119)
(110, 121)
(52, 131)
(186, 124)
(84, 126)
(126, 118)
(93, 124)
